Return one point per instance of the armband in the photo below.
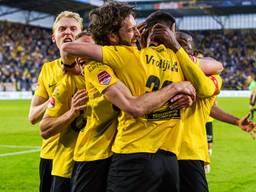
(215, 82)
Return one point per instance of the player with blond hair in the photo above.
(66, 26)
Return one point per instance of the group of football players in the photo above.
(125, 106)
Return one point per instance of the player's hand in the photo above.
(180, 101)
(246, 124)
(164, 35)
(184, 87)
(141, 27)
(79, 101)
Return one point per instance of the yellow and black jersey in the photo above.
(143, 71)
(209, 119)
(95, 140)
(59, 103)
(194, 142)
(50, 75)
(203, 85)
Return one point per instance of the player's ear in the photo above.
(173, 27)
(53, 38)
(113, 38)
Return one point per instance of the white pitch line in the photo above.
(19, 146)
(19, 153)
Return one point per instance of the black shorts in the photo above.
(90, 176)
(45, 175)
(60, 184)
(209, 132)
(192, 176)
(144, 172)
(253, 99)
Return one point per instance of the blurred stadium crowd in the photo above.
(235, 49)
(23, 50)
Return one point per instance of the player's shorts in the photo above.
(143, 172)
(60, 184)
(90, 176)
(253, 99)
(209, 132)
(45, 175)
(192, 176)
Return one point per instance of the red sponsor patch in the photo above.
(104, 78)
(51, 103)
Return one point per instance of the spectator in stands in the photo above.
(21, 57)
(238, 58)
(20, 53)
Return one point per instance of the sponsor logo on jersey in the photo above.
(56, 93)
(52, 85)
(51, 103)
(162, 64)
(93, 66)
(160, 49)
(104, 78)
(165, 114)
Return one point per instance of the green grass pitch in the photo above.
(233, 166)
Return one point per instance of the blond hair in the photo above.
(68, 14)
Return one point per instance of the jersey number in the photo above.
(154, 81)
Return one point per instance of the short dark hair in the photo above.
(108, 19)
(159, 17)
(154, 18)
(84, 32)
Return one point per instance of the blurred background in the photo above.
(223, 29)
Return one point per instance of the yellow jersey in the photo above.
(59, 103)
(95, 140)
(50, 75)
(209, 119)
(143, 71)
(194, 142)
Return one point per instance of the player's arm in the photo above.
(137, 106)
(50, 126)
(74, 49)
(39, 101)
(244, 123)
(37, 108)
(205, 86)
(210, 66)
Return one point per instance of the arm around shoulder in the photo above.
(50, 126)
(81, 49)
(137, 106)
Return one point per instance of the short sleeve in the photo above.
(40, 88)
(99, 75)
